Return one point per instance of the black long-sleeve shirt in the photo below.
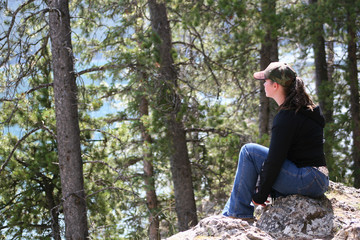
(296, 136)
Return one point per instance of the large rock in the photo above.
(220, 228)
(298, 217)
(335, 216)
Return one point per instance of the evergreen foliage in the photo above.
(216, 46)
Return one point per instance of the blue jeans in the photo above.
(306, 181)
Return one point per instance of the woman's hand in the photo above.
(264, 204)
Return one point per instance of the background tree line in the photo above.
(122, 119)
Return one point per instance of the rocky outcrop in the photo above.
(298, 217)
(219, 228)
(335, 216)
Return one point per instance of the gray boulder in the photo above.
(220, 228)
(298, 217)
(334, 216)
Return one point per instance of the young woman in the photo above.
(294, 163)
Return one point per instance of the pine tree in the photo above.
(169, 106)
(353, 81)
(67, 122)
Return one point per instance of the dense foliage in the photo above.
(215, 49)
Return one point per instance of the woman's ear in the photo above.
(275, 85)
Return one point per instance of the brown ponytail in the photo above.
(296, 97)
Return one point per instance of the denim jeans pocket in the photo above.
(315, 184)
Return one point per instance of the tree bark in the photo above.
(170, 102)
(268, 53)
(68, 132)
(324, 86)
(53, 208)
(354, 94)
(151, 198)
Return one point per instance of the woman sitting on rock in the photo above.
(294, 163)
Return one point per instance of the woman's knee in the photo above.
(254, 153)
(249, 147)
(254, 149)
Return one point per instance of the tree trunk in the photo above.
(68, 132)
(53, 208)
(324, 87)
(170, 102)
(268, 53)
(329, 131)
(354, 94)
(151, 198)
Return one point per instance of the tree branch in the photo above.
(7, 34)
(101, 68)
(207, 130)
(42, 226)
(45, 85)
(17, 144)
(111, 188)
(120, 119)
(102, 131)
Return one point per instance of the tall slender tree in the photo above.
(149, 178)
(324, 86)
(67, 125)
(353, 81)
(151, 197)
(169, 102)
(268, 53)
(29, 179)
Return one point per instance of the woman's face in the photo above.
(269, 88)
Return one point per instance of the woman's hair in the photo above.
(296, 97)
